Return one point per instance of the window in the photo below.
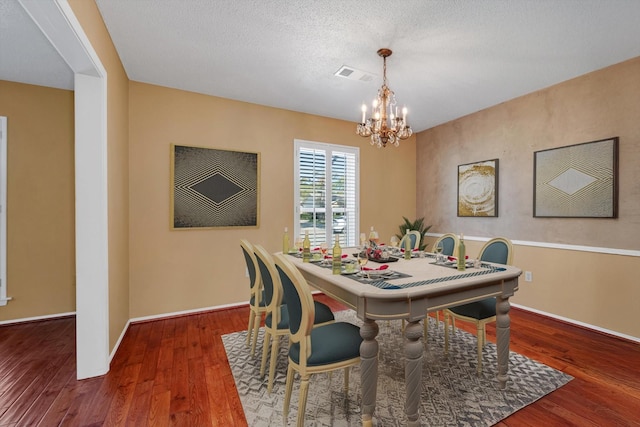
(326, 195)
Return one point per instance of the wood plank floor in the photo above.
(174, 372)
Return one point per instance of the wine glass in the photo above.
(363, 239)
(394, 241)
(438, 250)
(323, 249)
(363, 258)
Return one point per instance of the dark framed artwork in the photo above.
(577, 181)
(213, 188)
(478, 189)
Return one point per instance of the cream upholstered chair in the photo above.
(313, 349)
(414, 236)
(497, 250)
(276, 322)
(257, 304)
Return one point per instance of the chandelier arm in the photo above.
(385, 126)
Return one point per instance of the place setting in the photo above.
(378, 255)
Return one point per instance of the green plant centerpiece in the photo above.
(417, 225)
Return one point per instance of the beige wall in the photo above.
(191, 269)
(596, 289)
(118, 164)
(40, 195)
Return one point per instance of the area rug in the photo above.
(452, 393)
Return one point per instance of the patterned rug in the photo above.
(452, 393)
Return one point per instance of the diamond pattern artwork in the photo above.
(214, 188)
(452, 393)
(577, 181)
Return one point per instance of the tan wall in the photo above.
(40, 200)
(190, 269)
(118, 164)
(576, 285)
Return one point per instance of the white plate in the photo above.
(375, 274)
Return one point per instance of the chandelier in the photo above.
(384, 126)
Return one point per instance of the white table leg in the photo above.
(503, 333)
(413, 372)
(368, 370)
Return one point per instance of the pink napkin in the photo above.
(412, 250)
(452, 258)
(331, 256)
(382, 267)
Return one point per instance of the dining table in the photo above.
(409, 289)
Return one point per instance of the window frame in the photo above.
(352, 226)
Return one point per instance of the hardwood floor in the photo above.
(174, 372)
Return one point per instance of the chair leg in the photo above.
(425, 326)
(480, 335)
(302, 403)
(256, 328)
(272, 362)
(265, 351)
(252, 317)
(446, 333)
(346, 381)
(287, 393)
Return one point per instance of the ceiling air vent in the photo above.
(354, 74)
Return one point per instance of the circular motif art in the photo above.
(477, 189)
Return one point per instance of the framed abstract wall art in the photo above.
(577, 181)
(478, 189)
(213, 188)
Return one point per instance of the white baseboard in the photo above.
(32, 319)
(186, 312)
(578, 323)
(119, 341)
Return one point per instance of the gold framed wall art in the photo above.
(213, 188)
(478, 189)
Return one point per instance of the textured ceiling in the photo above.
(26, 56)
(451, 58)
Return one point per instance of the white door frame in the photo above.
(58, 23)
(3, 211)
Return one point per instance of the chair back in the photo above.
(270, 282)
(498, 250)
(449, 244)
(414, 239)
(300, 306)
(252, 268)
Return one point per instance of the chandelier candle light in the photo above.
(384, 126)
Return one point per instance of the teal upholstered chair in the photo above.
(257, 303)
(449, 244)
(313, 350)
(276, 322)
(500, 251)
(414, 239)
